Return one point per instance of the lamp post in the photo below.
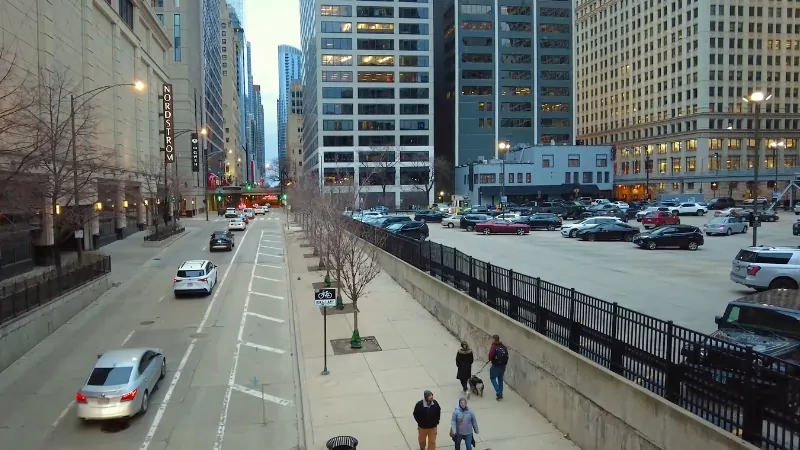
(756, 98)
(775, 145)
(139, 86)
(647, 162)
(504, 147)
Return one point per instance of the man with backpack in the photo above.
(498, 356)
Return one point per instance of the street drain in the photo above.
(115, 427)
(147, 322)
(198, 335)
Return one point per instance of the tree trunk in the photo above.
(355, 314)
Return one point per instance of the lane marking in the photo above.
(226, 400)
(271, 256)
(267, 278)
(272, 242)
(262, 347)
(272, 248)
(63, 414)
(270, 266)
(161, 299)
(203, 249)
(159, 416)
(276, 297)
(128, 338)
(261, 316)
(262, 396)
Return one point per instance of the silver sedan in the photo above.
(121, 383)
(725, 225)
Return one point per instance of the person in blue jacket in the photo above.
(463, 425)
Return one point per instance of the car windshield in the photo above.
(718, 220)
(190, 273)
(652, 214)
(775, 320)
(110, 376)
(395, 226)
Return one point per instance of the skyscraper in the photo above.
(235, 158)
(259, 162)
(290, 60)
(212, 88)
(251, 116)
(242, 85)
(238, 7)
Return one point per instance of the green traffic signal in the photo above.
(283, 196)
(219, 198)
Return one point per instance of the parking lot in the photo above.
(687, 287)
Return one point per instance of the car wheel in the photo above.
(551, 228)
(652, 245)
(797, 214)
(422, 220)
(520, 231)
(773, 219)
(628, 238)
(783, 283)
(470, 228)
(744, 230)
(450, 225)
(573, 233)
(163, 369)
(699, 212)
(591, 237)
(675, 213)
(145, 402)
(487, 231)
(729, 232)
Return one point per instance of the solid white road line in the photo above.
(262, 347)
(262, 396)
(261, 316)
(63, 414)
(271, 256)
(267, 295)
(127, 338)
(268, 279)
(272, 248)
(226, 400)
(175, 378)
(270, 266)
(272, 242)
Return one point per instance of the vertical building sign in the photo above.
(169, 130)
(195, 153)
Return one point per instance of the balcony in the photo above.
(708, 176)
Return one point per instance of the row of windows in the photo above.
(369, 156)
(690, 164)
(385, 93)
(375, 28)
(376, 125)
(569, 177)
(346, 109)
(411, 45)
(376, 141)
(713, 144)
(373, 11)
(375, 77)
(376, 60)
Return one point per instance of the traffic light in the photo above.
(219, 198)
(283, 196)
(248, 187)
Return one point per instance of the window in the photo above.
(555, 12)
(373, 27)
(414, 125)
(414, 77)
(567, 178)
(471, 25)
(415, 141)
(336, 10)
(476, 58)
(487, 178)
(160, 18)
(375, 11)
(336, 44)
(588, 177)
(516, 106)
(556, 28)
(344, 109)
(414, 61)
(126, 12)
(511, 178)
(515, 123)
(415, 93)
(177, 37)
(375, 60)
(574, 161)
(414, 109)
(476, 90)
(412, 13)
(375, 44)
(337, 92)
(384, 109)
(337, 60)
(337, 141)
(376, 77)
(515, 11)
(691, 145)
(414, 45)
(734, 144)
(662, 165)
(224, 73)
(336, 27)
(528, 177)
(547, 161)
(337, 125)
(715, 144)
(790, 161)
(336, 76)
(602, 160)
(376, 93)
(691, 163)
(414, 28)
(376, 141)
(376, 125)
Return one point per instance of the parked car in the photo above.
(763, 268)
(502, 226)
(452, 221)
(656, 219)
(429, 216)
(796, 228)
(758, 201)
(725, 225)
(609, 232)
(797, 209)
(385, 221)
(508, 216)
(571, 230)
(549, 222)
(221, 240)
(670, 236)
(693, 209)
(413, 230)
(469, 221)
(640, 215)
(721, 203)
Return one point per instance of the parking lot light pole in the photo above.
(756, 98)
(647, 162)
(503, 147)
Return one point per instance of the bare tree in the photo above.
(278, 172)
(152, 174)
(439, 170)
(378, 163)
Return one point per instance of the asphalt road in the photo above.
(231, 381)
(689, 288)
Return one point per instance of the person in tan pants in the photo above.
(427, 413)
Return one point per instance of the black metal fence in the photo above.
(19, 297)
(731, 386)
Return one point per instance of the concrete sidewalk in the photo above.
(370, 396)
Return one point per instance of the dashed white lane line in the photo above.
(269, 266)
(272, 248)
(261, 395)
(268, 279)
(63, 414)
(272, 242)
(271, 256)
(262, 347)
(175, 378)
(127, 338)
(203, 249)
(277, 297)
(161, 299)
(261, 316)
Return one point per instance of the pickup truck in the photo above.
(694, 209)
(655, 219)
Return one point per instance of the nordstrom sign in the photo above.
(169, 130)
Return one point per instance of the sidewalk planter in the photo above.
(342, 443)
(163, 235)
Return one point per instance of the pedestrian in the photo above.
(463, 425)
(427, 413)
(498, 357)
(464, 360)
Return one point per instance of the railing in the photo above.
(22, 296)
(731, 386)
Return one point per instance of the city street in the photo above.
(687, 287)
(231, 373)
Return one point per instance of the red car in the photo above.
(502, 226)
(656, 219)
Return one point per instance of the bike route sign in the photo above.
(325, 297)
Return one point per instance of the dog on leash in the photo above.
(476, 385)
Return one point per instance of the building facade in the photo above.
(504, 75)
(294, 133)
(541, 172)
(212, 90)
(240, 47)
(259, 164)
(250, 122)
(290, 62)
(235, 158)
(665, 86)
(368, 100)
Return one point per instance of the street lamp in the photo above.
(647, 165)
(138, 85)
(775, 145)
(202, 132)
(756, 98)
(504, 147)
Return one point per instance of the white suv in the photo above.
(571, 230)
(764, 268)
(195, 277)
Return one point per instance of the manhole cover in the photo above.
(147, 322)
(156, 259)
(115, 427)
(198, 335)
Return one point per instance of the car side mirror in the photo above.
(718, 320)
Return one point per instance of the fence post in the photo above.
(473, 285)
(753, 411)
(442, 270)
(456, 272)
(541, 313)
(491, 294)
(430, 258)
(615, 346)
(574, 324)
(513, 300)
(672, 374)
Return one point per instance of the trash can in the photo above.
(342, 443)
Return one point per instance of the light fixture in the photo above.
(124, 203)
(58, 208)
(441, 193)
(204, 131)
(193, 202)
(98, 206)
(757, 97)
(139, 85)
(230, 151)
(146, 203)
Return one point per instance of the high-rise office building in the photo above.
(290, 61)
(239, 43)
(250, 120)
(235, 158)
(503, 75)
(294, 132)
(238, 8)
(259, 162)
(368, 105)
(664, 83)
(212, 89)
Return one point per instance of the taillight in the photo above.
(752, 270)
(175, 280)
(204, 280)
(560, 220)
(80, 398)
(129, 396)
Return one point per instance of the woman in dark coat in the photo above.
(464, 359)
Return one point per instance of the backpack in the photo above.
(500, 356)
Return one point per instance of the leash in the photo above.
(484, 366)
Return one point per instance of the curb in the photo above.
(166, 242)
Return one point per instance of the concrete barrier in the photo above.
(596, 408)
(22, 334)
